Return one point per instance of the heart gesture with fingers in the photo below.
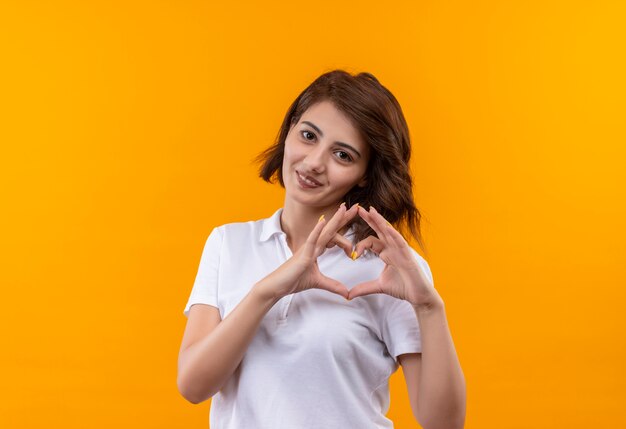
(402, 277)
(301, 271)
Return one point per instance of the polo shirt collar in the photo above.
(271, 226)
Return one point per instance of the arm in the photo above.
(217, 348)
(434, 379)
(206, 364)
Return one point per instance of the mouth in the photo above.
(307, 182)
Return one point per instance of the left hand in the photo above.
(402, 277)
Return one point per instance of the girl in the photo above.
(298, 320)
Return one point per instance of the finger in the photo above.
(396, 237)
(339, 219)
(350, 214)
(311, 242)
(341, 241)
(366, 288)
(382, 223)
(332, 285)
(393, 237)
(329, 228)
(369, 219)
(372, 243)
(338, 238)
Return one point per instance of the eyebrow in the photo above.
(342, 144)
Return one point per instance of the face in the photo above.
(324, 158)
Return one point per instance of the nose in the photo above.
(315, 160)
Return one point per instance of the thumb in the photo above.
(365, 288)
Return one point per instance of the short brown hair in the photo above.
(376, 113)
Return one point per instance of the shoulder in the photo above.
(236, 229)
(243, 232)
(239, 227)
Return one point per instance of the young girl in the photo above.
(298, 320)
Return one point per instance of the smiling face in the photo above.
(324, 158)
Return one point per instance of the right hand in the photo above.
(301, 272)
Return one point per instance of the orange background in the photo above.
(128, 131)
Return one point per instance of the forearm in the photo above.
(210, 362)
(442, 391)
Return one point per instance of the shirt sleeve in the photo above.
(400, 327)
(204, 289)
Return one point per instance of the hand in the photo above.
(402, 277)
(301, 272)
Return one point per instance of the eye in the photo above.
(347, 156)
(307, 132)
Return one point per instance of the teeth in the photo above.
(307, 180)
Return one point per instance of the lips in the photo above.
(307, 181)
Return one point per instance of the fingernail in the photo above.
(372, 208)
(342, 204)
(388, 223)
(321, 218)
(353, 255)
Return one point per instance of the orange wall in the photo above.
(128, 131)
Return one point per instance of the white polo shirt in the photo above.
(317, 360)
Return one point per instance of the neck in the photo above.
(298, 220)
